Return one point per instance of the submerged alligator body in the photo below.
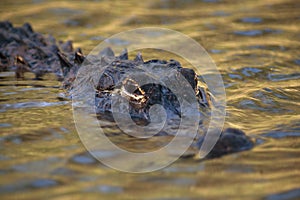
(23, 50)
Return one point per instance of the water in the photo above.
(255, 45)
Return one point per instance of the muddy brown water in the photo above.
(256, 46)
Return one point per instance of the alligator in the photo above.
(24, 50)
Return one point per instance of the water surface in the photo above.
(255, 45)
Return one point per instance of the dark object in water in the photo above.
(23, 50)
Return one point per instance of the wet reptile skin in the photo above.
(23, 50)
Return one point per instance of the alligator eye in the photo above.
(131, 89)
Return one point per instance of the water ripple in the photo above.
(5, 107)
(251, 20)
(254, 32)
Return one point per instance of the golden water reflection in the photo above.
(255, 45)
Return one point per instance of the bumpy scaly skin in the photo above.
(23, 50)
(113, 80)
